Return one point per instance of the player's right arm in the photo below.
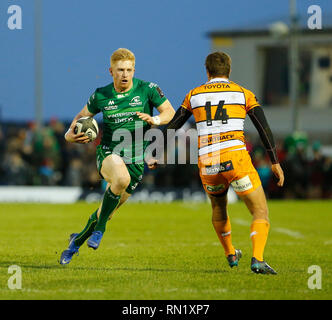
(181, 115)
(180, 118)
(70, 136)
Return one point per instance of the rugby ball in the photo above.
(88, 126)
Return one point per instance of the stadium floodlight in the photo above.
(38, 63)
(293, 65)
(279, 29)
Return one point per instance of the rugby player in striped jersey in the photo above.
(219, 107)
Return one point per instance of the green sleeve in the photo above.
(93, 103)
(156, 95)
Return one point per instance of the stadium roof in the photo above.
(262, 28)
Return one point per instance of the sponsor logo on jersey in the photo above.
(215, 188)
(122, 95)
(136, 101)
(122, 114)
(217, 168)
(161, 94)
(111, 106)
(152, 85)
(216, 138)
(216, 86)
(242, 184)
(124, 120)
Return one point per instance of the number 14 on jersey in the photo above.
(221, 113)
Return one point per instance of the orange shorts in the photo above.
(228, 168)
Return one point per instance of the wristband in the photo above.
(156, 120)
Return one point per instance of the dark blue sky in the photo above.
(168, 38)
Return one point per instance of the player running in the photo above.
(127, 104)
(219, 108)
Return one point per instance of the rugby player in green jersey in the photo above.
(127, 104)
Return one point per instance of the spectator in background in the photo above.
(263, 167)
(296, 166)
(32, 157)
(2, 154)
(58, 129)
(74, 173)
(316, 172)
(15, 169)
(327, 183)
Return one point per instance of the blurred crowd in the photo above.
(31, 156)
(42, 157)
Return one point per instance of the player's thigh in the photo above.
(213, 184)
(256, 203)
(115, 171)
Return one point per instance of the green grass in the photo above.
(164, 251)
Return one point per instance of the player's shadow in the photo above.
(167, 270)
(7, 264)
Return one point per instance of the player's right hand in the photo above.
(70, 136)
(279, 174)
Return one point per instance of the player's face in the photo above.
(123, 72)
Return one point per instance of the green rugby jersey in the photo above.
(119, 112)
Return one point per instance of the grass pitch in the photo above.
(164, 251)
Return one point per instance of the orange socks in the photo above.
(258, 232)
(223, 230)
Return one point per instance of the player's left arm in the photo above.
(166, 113)
(259, 120)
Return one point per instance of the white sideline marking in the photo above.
(291, 233)
(171, 290)
(57, 290)
(241, 222)
(294, 234)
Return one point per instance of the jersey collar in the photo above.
(124, 94)
(218, 80)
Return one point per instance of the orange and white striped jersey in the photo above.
(219, 108)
